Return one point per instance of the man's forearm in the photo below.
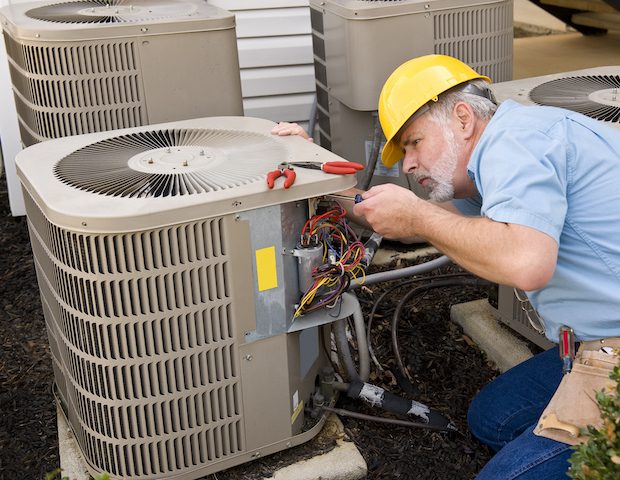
(504, 253)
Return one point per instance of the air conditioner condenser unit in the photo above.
(168, 281)
(358, 44)
(595, 92)
(93, 65)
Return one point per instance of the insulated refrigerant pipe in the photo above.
(400, 273)
(362, 344)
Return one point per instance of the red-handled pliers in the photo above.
(338, 168)
(286, 171)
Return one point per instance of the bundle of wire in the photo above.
(342, 256)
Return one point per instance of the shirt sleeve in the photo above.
(468, 206)
(522, 178)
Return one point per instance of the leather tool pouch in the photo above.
(574, 405)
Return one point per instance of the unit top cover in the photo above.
(94, 19)
(370, 9)
(591, 91)
(146, 177)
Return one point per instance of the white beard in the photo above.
(442, 173)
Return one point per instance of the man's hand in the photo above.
(284, 128)
(390, 211)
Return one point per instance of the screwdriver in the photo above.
(356, 199)
(567, 348)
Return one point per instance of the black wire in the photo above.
(377, 302)
(374, 154)
(393, 421)
(407, 297)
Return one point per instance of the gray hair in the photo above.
(481, 102)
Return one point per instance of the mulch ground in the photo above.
(28, 434)
(446, 367)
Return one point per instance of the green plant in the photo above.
(57, 475)
(54, 474)
(599, 457)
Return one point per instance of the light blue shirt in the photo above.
(558, 172)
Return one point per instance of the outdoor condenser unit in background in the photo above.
(93, 65)
(358, 43)
(595, 92)
(168, 281)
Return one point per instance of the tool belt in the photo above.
(573, 406)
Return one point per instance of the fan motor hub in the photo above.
(608, 96)
(111, 10)
(175, 159)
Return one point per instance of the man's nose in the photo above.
(410, 162)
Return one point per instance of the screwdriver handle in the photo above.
(567, 348)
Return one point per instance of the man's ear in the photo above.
(465, 118)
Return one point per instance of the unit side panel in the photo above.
(196, 75)
(358, 62)
(266, 391)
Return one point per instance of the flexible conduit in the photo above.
(401, 272)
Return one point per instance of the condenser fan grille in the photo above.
(597, 96)
(112, 11)
(168, 163)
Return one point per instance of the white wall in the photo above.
(275, 55)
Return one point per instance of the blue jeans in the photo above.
(503, 416)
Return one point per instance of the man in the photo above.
(536, 206)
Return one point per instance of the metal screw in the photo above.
(144, 29)
(37, 35)
(249, 358)
(236, 203)
(427, 6)
(84, 224)
(150, 160)
(185, 163)
(256, 454)
(237, 218)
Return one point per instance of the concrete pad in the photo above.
(385, 256)
(535, 56)
(344, 462)
(532, 18)
(71, 462)
(481, 322)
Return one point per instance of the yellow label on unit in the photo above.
(266, 271)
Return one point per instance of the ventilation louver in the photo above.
(597, 96)
(594, 92)
(112, 11)
(173, 356)
(166, 163)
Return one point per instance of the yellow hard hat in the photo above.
(412, 85)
